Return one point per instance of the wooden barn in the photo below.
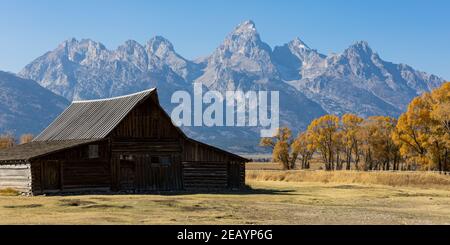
(126, 143)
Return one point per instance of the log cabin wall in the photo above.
(16, 176)
(85, 167)
(206, 167)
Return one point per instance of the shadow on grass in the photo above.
(245, 191)
(24, 206)
(349, 186)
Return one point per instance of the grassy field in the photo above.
(268, 202)
(416, 179)
(315, 164)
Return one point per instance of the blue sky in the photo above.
(415, 32)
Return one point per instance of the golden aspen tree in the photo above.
(350, 125)
(384, 152)
(7, 141)
(282, 148)
(26, 138)
(323, 131)
(422, 131)
(439, 140)
(304, 145)
(412, 132)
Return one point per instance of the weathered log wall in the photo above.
(205, 175)
(196, 151)
(147, 120)
(15, 176)
(205, 167)
(134, 165)
(72, 170)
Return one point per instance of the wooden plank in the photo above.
(16, 176)
(14, 172)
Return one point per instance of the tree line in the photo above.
(8, 140)
(418, 140)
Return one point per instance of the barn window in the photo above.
(164, 160)
(126, 157)
(155, 159)
(160, 161)
(93, 151)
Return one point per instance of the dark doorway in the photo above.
(51, 176)
(157, 171)
(127, 173)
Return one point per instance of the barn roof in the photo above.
(38, 148)
(91, 119)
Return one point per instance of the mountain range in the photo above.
(25, 106)
(311, 84)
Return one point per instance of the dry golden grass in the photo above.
(268, 202)
(8, 192)
(315, 164)
(263, 166)
(415, 179)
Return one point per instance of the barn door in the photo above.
(146, 171)
(127, 173)
(157, 171)
(51, 175)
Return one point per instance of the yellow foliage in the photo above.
(422, 131)
(26, 138)
(323, 131)
(379, 149)
(420, 138)
(351, 126)
(304, 146)
(7, 141)
(282, 146)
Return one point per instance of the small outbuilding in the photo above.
(126, 143)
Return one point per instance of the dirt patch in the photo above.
(195, 207)
(105, 206)
(74, 203)
(229, 216)
(349, 187)
(168, 203)
(203, 206)
(24, 206)
(106, 199)
(406, 194)
(183, 206)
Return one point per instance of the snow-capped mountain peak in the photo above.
(246, 27)
(357, 80)
(360, 48)
(242, 60)
(244, 39)
(159, 44)
(299, 44)
(132, 52)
